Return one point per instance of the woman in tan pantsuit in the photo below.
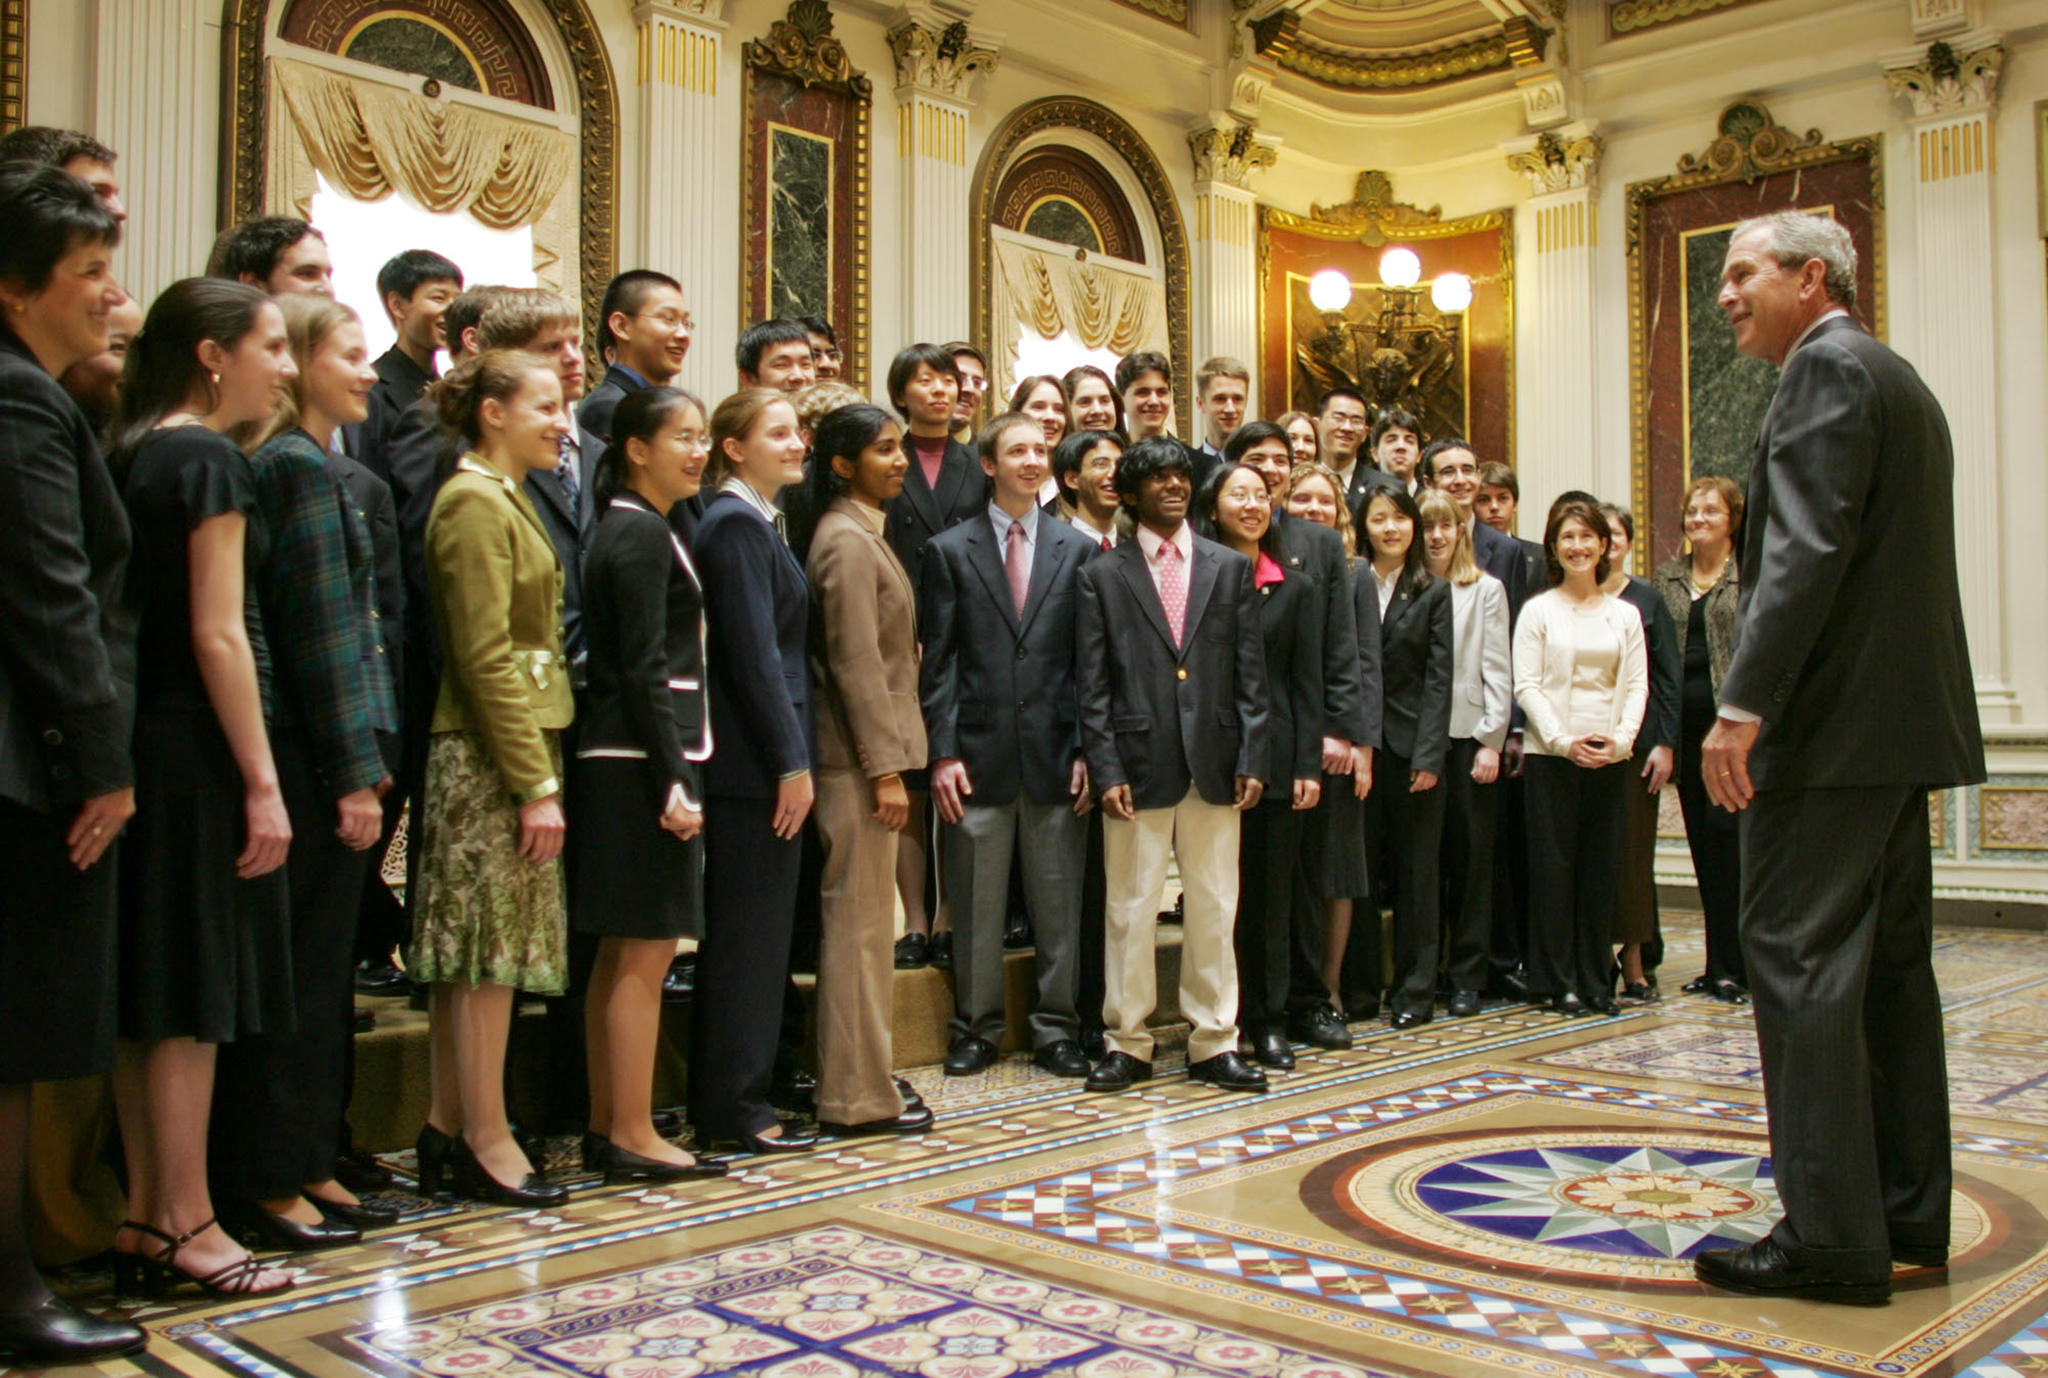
(864, 659)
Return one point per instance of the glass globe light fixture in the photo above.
(1451, 292)
(1330, 290)
(1400, 267)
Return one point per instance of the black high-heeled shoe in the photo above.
(472, 1179)
(360, 1214)
(259, 1228)
(431, 1152)
(54, 1332)
(156, 1275)
(621, 1165)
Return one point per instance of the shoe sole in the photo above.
(1841, 1293)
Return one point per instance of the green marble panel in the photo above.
(800, 223)
(408, 45)
(1063, 222)
(1727, 394)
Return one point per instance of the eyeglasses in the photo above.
(668, 319)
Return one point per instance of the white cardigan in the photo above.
(1480, 683)
(1546, 646)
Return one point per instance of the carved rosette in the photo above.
(1229, 152)
(1945, 82)
(943, 62)
(1555, 164)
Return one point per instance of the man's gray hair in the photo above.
(1797, 237)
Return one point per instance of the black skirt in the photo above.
(1333, 843)
(204, 954)
(57, 948)
(628, 876)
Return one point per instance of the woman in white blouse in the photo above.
(1582, 678)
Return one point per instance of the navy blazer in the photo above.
(372, 499)
(67, 635)
(1501, 556)
(758, 607)
(1308, 548)
(923, 510)
(998, 690)
(566, 523)
(1416, 648)
(1163, 719)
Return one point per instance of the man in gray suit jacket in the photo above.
(1849, 697)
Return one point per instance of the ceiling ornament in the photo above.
(1373, 217)
(1339, 67)
(1633, 16)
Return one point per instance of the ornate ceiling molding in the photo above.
(1948, 82)
(803, 48)
(1352, 69)
(1751, 145)
(1634, 16)
(943, 61)
(1373, 217)
(1172, 11)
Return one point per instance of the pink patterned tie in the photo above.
(1017, 564)
(1173, 589)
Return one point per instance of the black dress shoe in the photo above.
(911, 1121)
(261, 1229)
(1510, 984)
(679, 982)
(794, 1090)
(1920, 1255)
(1178, 912)
(381, 978)
(1640, 993)
(473, 1180)
(1602, 1004)
(1763, 1270)
(1729, 993)
(1319, 1026)
(53, 1333)
(1017, 934)
(913, 952)
(1463, 1004)
(362, 1215)
(431, 1151)
(1359, 1011)
(361, 1020)
(1698, 985)
(1118, 1072)
(1093, 1045)
(1567, 1004)
(908, 1092)
(1228, 1071)
(668, 1123)
(1272, 1050)
(969, 1055)
(1063, 1058)
(620, 1165)
(359, 1171)
(791, 1140)
(939, 950)
(1408, 1019)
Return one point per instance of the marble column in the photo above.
(684, 171)
(937, 59)
(1225, 291)
(1556, 363)
(156, 102)
(1952, 88)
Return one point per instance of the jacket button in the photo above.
(1020, 653)
(1181, 673)
(1020, 705)
(52, 737)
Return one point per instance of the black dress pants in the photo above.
(1715, 838)
(1471, 817)
(1264, 937)
(1838, 932)
(1090, 987)
(750, 887)
(1406, 828)
(1575, 820)
(1509, 944)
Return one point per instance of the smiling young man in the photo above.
(973, 388)
(997, 616)
(1222, 390)
(1084, 466)
(775, 354)
(1395, 445)
(1340, 427)
(281, 254)
(643, 336)
(1172, 681)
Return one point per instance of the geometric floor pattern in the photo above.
(1514, 1193)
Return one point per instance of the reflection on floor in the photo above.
(1512, 1193)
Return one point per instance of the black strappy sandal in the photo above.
(144, 1275)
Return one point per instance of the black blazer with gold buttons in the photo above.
(1416, 648)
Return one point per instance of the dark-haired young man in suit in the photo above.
(1173, 723)
(997, 615)
(775, 354)
(1341, 427)
(1145, 383)
(643, 336)
(416, 288)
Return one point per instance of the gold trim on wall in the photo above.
(1749, 145)
(1988, 796)
(245, 135)
(1076, 112)
(1355, 70)
(2041, 158)
(13, 65)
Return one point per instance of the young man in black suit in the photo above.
(775, 354)
(1145, 382)
(1222, 387)
(1341, 427)
(643, 336)
(1849, 697)
(1172, 681)
(1500, 494)
(416, 288)
(997, 615)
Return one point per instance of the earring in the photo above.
(215, 377)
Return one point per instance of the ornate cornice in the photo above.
(1559, 164)
(1945, 82)
(1229, 151)
(803, 48)
(1633, 16)
(1372, 217)
(1334, 67)
(1752, 145)
(943, 61)
(1173, 11)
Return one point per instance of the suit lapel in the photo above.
(1130, 557)
(981, 553)
(951, 475)
(1202, 574)
(1045, 563)
(1403, 599)
(550, 488)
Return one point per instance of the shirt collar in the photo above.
(630, 376)
(1079, 521)
(745, 491)
(1002, 522)
(1823, 319)
(476, 464)
(877, 520)
(1150, 541)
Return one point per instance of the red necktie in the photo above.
(1017, 564)
(1105, 542)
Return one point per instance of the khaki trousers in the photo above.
(856, 954)
(1203, 837)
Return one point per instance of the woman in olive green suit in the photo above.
(491, 918)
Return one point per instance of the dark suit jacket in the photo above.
(1203, 461)
(399, 384)
(1660, 645)
(1159, 719)
(372, 499)
(594, 424)
(1416, 641)
(67, 635)
(923, 511)
(646, 630)
(1290, 616)
(407, 463)
(1318, 552)
(1365, 476)
(998, 690)
(1365, 612)
(758, 606)
(1501, 556)
(1852, 647)
(565, 522)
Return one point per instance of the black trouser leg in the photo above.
(1267, 848)
(1714, 836)
(1509, 942)
(1090, 987)
(1471, 817)
(1414, 824)
(750, 879)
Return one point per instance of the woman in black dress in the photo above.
(278, 1095)
(205, 935)
(67, 682)
(637, 787)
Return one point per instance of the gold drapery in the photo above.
(370, 140)
(1106, 308)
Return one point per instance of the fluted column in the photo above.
(1952, 88)
(1225, 290)
(937, 59)
(156, 103)
(1557, 364)
(677, 45)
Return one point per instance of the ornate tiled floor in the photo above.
(1513, 1193)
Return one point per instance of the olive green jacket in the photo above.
(497, 588)
(1674, 581)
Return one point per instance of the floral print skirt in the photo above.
(486, 914)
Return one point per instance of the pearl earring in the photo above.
(215, 377)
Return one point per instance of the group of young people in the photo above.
(638, 669)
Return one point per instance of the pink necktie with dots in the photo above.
(1173, 589)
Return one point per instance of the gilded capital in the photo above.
(939, 58)
(1229, 151)
(1556, 162)
(1950, 80)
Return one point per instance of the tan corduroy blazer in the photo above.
(497, 588)
(864, 655)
